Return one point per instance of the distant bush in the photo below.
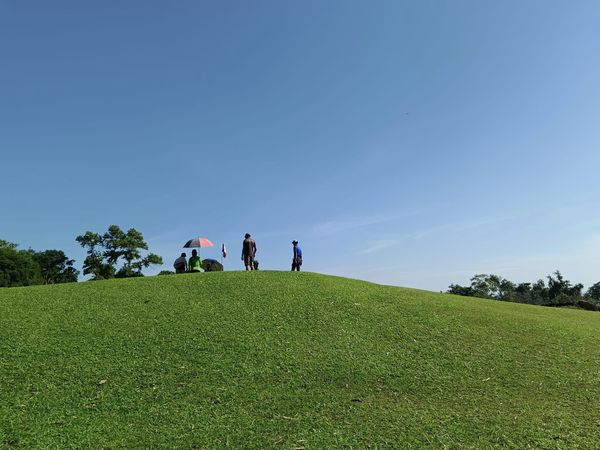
(166, 272)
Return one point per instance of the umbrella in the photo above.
(198, 242)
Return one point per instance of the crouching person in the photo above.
(180, 264)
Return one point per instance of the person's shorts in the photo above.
(248, 261)
(297, 262)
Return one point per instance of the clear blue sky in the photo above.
(409, 143)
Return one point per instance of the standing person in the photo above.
(195, 263)
(297, 259)
(248, 251)
(180, 264)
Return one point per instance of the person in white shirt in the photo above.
(180, 264)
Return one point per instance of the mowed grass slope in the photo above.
(282, 360)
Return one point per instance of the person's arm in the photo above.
(253, 249)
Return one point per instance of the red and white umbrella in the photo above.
(198, 242)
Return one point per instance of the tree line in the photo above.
(554, 291)
(28, 267)
(113, 254)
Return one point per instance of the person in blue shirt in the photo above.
(297, 260)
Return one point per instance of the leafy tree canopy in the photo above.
(18, 268)
(28, 267)
(115, 246)
(6, 244)
(55, 267)
(94, 263)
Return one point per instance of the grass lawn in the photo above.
(282, 360)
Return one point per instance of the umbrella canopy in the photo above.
(198, 242)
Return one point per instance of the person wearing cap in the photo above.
(297, 259)
(180, 264)
(248, 252)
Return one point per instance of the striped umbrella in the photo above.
(198, 242)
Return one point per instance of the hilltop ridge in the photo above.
(282, 360)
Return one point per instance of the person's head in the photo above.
(295, 242)
(183, 255)
(247, 235)
(194, 252)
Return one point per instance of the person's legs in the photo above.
(296, 263)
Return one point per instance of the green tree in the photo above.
(112, 242)
(522, 293)
(482, 286)
(131, 245)
(107, 250)
(492, 286)
(6, 244)
(561, 291)
(17, 267)
(558, 292)
(506, 290)
(55, 267)
(593, 293)
(94, 263)
(539, 293)
(457, 289)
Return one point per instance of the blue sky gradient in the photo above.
(407, 143)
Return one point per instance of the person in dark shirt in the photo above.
(248, 252)
(297, 259)
(180, 264)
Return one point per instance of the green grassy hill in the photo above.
(282, 360)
